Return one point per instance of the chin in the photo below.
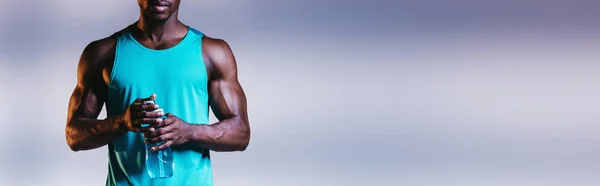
(158, 17)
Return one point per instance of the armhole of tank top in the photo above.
(115, 61)
(201, 53)
(205, 69)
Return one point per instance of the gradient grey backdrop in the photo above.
(351, 92)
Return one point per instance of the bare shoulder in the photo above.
(216, 50)
(100, 49)
(97, 56)
(218, 56)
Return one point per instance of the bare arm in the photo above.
(83, 130)
(227, 100)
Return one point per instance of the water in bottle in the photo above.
(158, 163)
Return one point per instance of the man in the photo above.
(158, 58)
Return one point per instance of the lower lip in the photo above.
(160, 8)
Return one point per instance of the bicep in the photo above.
(85, 100)
(227, 99)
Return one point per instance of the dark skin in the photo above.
(157, 28)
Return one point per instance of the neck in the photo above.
(158, 30)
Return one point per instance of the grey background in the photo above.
(376, 92)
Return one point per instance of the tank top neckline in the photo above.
(178, 45)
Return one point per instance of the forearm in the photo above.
(86, 134)
(231, 134)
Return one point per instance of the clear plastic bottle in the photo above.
(158, 163)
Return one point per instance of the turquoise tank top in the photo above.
(178, 77)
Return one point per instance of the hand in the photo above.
(173, 130)
(137, 114)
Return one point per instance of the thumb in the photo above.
(152, 97)
(169, 115)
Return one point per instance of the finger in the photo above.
(162, 130)
(152, 97)
(136, 107)
(169, 115)
(152, 132)
(151, 114)
(166, 121)
(149, 107)
(151, 121)
(163, 146)
(164, 137)
(148, 132)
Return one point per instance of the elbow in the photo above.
(71, 142)
(243, 146)
(245, 141)
(73, 145)
(74, 148)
